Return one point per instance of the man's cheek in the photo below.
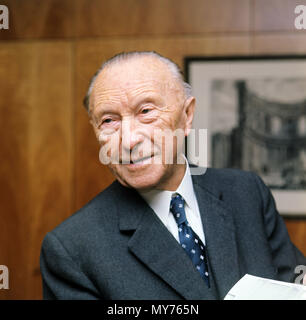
(110, 151)
(166, 121)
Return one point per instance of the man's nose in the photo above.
(131, 135)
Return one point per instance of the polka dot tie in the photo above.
(189, 240)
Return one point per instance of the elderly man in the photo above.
(158, 232)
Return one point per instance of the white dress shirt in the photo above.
(159, 201)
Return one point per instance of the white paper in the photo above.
(255, 288)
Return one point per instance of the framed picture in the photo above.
(254, 110)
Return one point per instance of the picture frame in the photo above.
(254, 110)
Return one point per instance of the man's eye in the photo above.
(146, 110)
(108, 120)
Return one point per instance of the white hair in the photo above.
(173, 67)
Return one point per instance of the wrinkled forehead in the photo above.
(135, 73)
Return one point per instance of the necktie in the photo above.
(189, 240)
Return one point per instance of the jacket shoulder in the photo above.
(98, 211)
(225, 178)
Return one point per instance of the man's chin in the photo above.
(156, 176)
(145, 179)
(140, 184)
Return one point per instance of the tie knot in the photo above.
(177, 208)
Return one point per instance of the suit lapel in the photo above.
(155, 246)
(220, 239)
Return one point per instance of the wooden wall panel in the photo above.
(91, 176)
(297, 231)
(33, 19)
(14, 178)
(36, 155)
(282, 44)
(160, 17)
(274, 15)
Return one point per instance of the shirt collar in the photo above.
(159, 200)
(185, 188)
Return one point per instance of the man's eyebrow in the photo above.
(101, 110)
(145, 97)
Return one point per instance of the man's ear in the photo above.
(189, 107)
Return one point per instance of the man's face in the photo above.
(137, 100)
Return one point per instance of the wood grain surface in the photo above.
(36, 155)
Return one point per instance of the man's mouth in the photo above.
(140, 160)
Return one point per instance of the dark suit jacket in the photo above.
(117, 248)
